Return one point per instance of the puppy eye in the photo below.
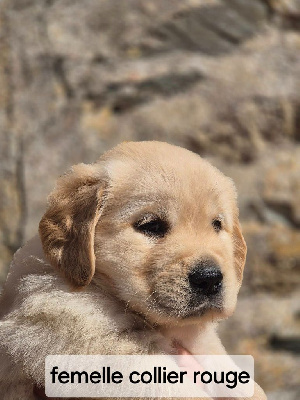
(217, 224)
(152, 226)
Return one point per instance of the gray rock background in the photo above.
(219, 77)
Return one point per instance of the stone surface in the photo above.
(273, 262)
(268, 329)
(219, 77)
(281, 191)
(12, 190)
(286, 7)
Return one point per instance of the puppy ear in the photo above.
(67, 229)
(240, 249)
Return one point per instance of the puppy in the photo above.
(139, 253)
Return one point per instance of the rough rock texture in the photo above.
(219, 77)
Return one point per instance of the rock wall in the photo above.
(219, 77)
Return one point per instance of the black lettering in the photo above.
(234, 381)
(117, 377)
(246, 376)
(209, 377)
(143, 377)
(131, 375)
(196, 373)
(79, 374)
(172, 377)
(164, 375)
(182, 373)
(53, 373)
(63, 375)
(216, 377)
(95, 377)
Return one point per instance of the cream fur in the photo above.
(91, 284)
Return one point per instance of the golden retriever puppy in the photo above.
(139, 253)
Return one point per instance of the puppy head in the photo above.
(158, 224)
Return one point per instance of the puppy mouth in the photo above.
(205, 307)
(200, 300)
(193, 306)
(199, 307)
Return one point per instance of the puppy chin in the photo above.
(183, 313)
(204, 314)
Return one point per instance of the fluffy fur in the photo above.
(93, 283)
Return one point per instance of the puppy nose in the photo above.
(206, 278)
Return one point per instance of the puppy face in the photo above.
(157, 224)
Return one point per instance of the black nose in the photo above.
(206, 278)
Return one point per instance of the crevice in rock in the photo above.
(124, 96)
(211, 29)
(280, 343)
(59, 72)
(284, 210)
